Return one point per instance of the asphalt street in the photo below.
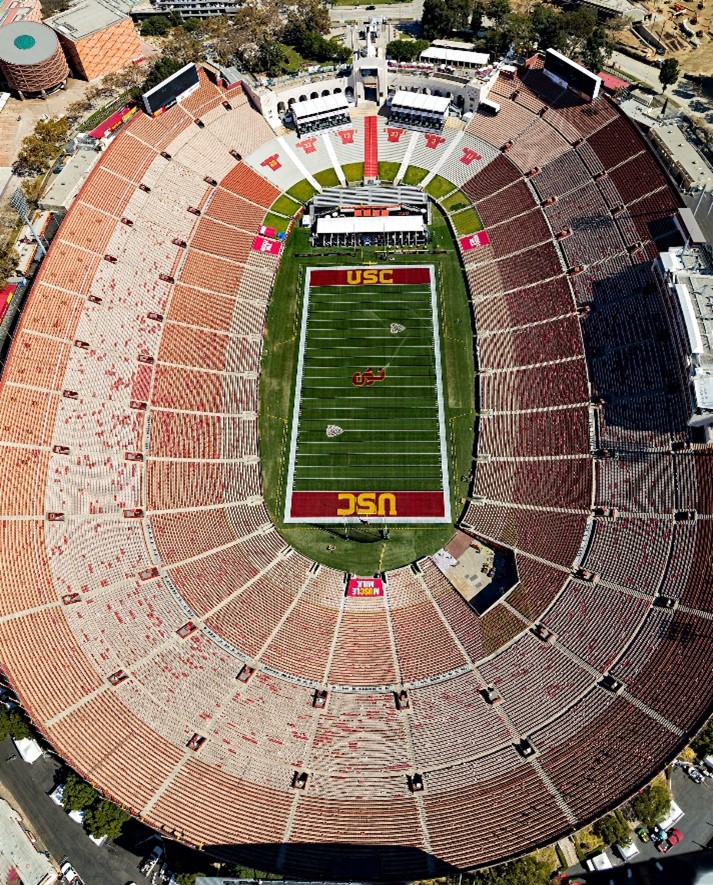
(108, 864)
(393, 11)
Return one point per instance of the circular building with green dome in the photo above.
(31, 58)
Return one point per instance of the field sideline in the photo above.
(277, 386)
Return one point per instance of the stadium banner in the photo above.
(473, 241)
(365, 587)
(370, 276)
(363, 506)
(260, 244)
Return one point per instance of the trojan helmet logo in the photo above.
(367, 504)
(369, 276)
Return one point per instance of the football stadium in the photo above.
(270, 392)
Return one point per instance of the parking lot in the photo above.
(696, 825)
(26, 787)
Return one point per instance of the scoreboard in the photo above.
(569, 74)
(171, 90)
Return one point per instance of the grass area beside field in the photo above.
(414, 175)
(388, 170)
(302, 191)
(353, 172)
(466, 222)
(277, 388)
(327, 177)
(438, 187)
(276, 221)
(283, 205)
(456, 201)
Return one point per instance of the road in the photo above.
(646, 73)
(393, 11)
(108, 864)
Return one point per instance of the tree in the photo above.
(405, 50)
(578, 26)
(52, 7)
(305, 17)
(160, 69)
(11, 721)
(703, 744)
(271, 58)
(106, 819)
(547, 27)
(597, 49)
(613, 829)
(184, 47)
(476, 18)
(652, 804)
(78, 794)
(8, 264)
(189, 878)
(518, 28)
(669, 72)
(32, 189)
(39, 149)
(498, 10)
(155, 26)
(525, 871)
(436, 20)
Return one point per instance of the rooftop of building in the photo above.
(18, 10)
(85, 18)
(65, 186)
(26, 43)
(691, 272)
(683, 154)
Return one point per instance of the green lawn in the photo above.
(438, 187)
(302, 191)
(283, 205)
(414, 175)
(327, 177)
(353, 172)
(466, 222)
(405, 543)
(276, 221)
(387, 170)
(456, 201)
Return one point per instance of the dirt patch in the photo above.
(18, 118)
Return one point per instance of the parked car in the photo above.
(69, 874)
(695, 775)
(643, 834)
(657, 834)
(673, 837)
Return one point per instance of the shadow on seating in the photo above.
(336, 861)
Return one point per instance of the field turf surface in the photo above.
(404, 544)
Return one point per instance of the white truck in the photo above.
(69, 874)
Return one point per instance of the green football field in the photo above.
(367, 437)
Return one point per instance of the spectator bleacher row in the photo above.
(135, 540)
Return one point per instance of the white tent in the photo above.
(29, 749)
